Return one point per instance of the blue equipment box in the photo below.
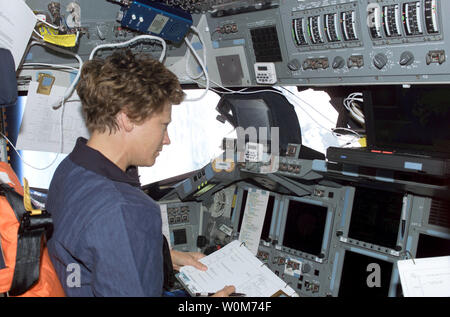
(155, 18)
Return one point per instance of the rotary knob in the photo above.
(338, 62)
(380, 60)
(294, 65)
(406, 59)
(306, 268)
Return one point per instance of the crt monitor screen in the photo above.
(268, 219)
(376, 217)
(414, 119)
(364, 276)
(242, 209)
(305, 227)
(179, 236)
(252, 113)
(430, 246)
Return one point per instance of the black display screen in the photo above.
(376, 217)
(253, 114)
(179, 236)
(241, 214)
(305, 226)
(363, 276)
(429, 246)
(414, 119)
(268, 219)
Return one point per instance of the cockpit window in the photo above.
(196, 136)
(317, 117)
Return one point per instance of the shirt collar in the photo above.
(96, 162)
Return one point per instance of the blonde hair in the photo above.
(137, 84)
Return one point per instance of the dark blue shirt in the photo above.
(105, 227)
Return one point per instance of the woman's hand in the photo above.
(180, 259)
(225, 292)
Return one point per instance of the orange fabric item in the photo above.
(48, 284)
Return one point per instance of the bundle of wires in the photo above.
(351, 104)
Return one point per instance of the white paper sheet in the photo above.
(254, 214)
(234, 265)
(426, 277)
(41, 124)
(165, 223)
(17, 22)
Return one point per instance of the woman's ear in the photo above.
(124, 123)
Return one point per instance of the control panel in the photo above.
(348, 42)
(354, 42)
(324, 239)
(311, 42)
(300, 242)
(296, 240)
(184, 222)
(323, 244)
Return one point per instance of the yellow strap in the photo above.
(27, 199)
(66, 40)
(51, 36)
(363, 142)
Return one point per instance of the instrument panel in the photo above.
(346, 42)
(377, 42)
(322, 244)
(303, 43)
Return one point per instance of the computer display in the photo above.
(376, 216)
(414, 119)
(364, 276)
(305, 226)
(241, 212)
(430, 246)
(268, 219)
(252, 113)
(179, 236)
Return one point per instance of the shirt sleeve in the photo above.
(125, 247)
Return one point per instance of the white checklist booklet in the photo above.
(425, 277)
(234, 265)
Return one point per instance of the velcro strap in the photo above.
(32, 231)
(26, 271)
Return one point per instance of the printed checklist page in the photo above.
(254, 214)
(234, 265)
(426, 277)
